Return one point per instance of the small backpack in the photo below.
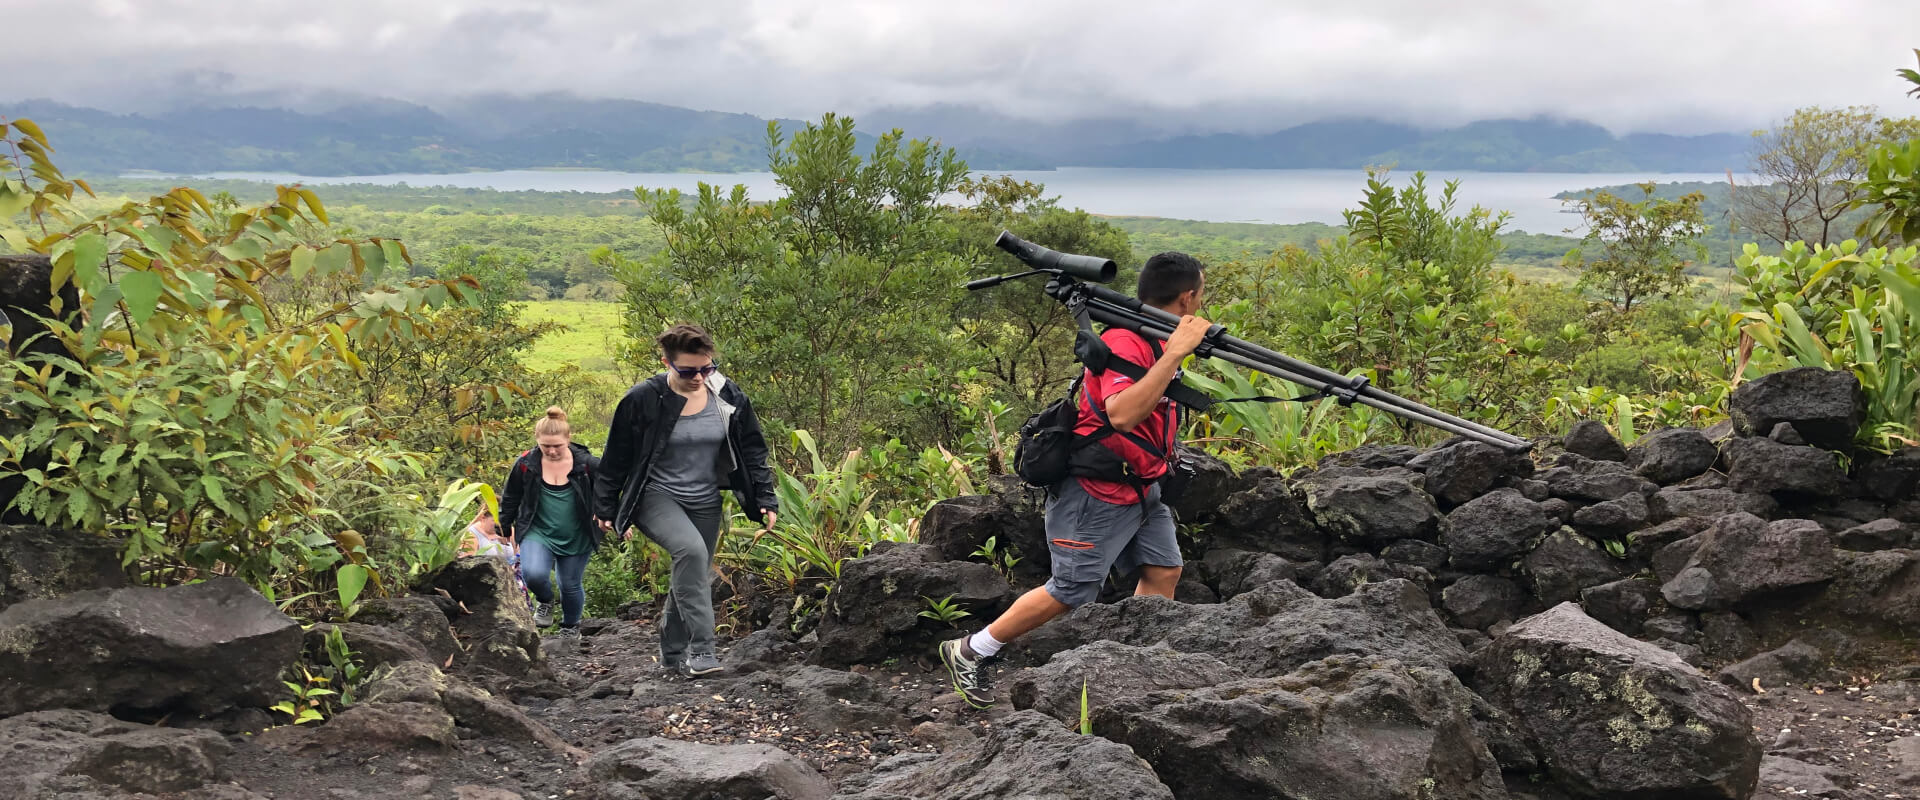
(1043, 457)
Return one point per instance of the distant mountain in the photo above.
(365, 136)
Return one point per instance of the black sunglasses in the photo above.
(688, 372)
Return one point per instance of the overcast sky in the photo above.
(1684, 66)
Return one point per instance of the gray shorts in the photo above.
(1089, 537)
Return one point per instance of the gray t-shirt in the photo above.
(688, 468)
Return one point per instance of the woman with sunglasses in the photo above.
(677, 440)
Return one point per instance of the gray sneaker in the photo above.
(543, 614)
(968, 671)
(703, 664)
(569, 632)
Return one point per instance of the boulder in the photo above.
(416, 685)
(1826, 407)
(1371, 508)
(1883, 587)
(372, 646)
(1371, 456)
(1234, 572)
(1565, 563)
(1612, 717)
(1348, 573)
(1743, 558)
(669, 769)
(1026, 527)
(1341, 727)
(1026, 754)
(1613, 517)
(26, 292)
(1672, 455)
(959, 526)
(382, 726)
(1464, 469)
(68, 753)
(1582, 479)
(1111, 671)
(1268, 631)
(1266, 518)
(874, 611)
(1591, 438)
(763, 649)
(1727, 636)
(1797, 778)
(1643, 544)
(1817, 656)
(1623, 605)
(1210, 483)
(1676, 502)
(1883, 534)
(1480, 601)
(37, 562)
(201, 649)
(1765, 466)
(1492, 530)
(418, 617)
(498, 627)
(1416, 553)
(1889, 478)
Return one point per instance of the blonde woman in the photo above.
(548, 509)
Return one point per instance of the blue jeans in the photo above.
(536, 561)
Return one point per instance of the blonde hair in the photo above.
(553, 424)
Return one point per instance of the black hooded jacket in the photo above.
(643, 423)
(518, 498)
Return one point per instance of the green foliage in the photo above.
(1637, 246)
(819, 299)
(943, 610)
(1892, 190)
(343, 667)
(634, 570)
(1840, 307)
(309, 702)
(188, 413)
(1003, 560)
(1086, 716)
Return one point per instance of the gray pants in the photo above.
(689, 534)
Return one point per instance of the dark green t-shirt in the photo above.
(557, 522)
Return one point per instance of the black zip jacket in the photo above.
(519, 499)
(644, 422)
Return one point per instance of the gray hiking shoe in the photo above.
(703, 664)
(543, 614)
(676, 664)
(968, 671)
(569, 632)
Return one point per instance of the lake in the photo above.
(1285, 196)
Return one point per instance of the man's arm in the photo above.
(1131, 406)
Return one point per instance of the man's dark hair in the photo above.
(684, 339)
(1166, 276)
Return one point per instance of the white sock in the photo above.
(983, 644)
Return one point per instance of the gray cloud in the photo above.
(1676, 65)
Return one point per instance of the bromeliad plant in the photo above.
(182, 411)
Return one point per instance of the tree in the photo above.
(1810, 168)
(1640, 247)
(1892, 186)
(825, 301)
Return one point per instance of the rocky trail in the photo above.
(1720, 613)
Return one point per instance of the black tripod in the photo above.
(1069, 284)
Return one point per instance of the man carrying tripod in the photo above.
(1109, 514)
